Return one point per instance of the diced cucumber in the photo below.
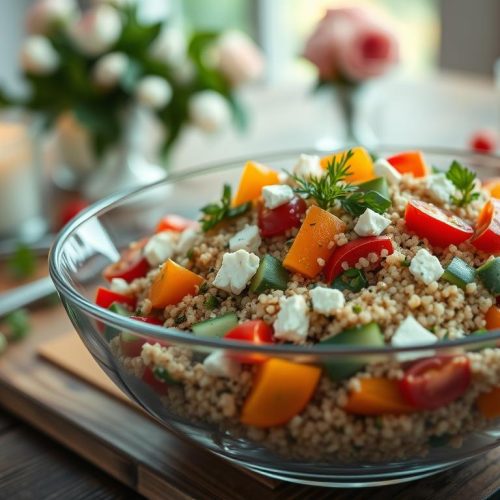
(109, 331)
(459, 273)
(489, 274)
(368, 335)
(270, 275)
(379, 185)
(216, 327)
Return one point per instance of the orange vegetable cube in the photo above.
(377, 396)
(314, 244)
(253, 178)
(360, 165)
(281, 390)
(493, 187)
(410, 162)
(172, 284)
(488, 403)
(493, 318)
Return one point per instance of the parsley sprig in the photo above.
(214, 213)
(465, 182)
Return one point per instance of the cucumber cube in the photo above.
(270, 275)
(489, 274)
(216, 327)
(459, 273)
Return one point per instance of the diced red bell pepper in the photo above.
(132, 265)
(172, 222)
(105, 297)
(409, 162)
(256, 332)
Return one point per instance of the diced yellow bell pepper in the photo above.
(253, 178)
(360, 165)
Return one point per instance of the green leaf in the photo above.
(465, 182)
(22, 263)
(18, 323)
(359, 201)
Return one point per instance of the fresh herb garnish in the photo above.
(211, 303)
(180, 319)
(214, 213)
(356, 308)
(406, 262)
(190, 254)
(22, 263)
(357, 202)
(465, 182)
(353, 279)
(203, 288)
(163, 375)
(18, 323)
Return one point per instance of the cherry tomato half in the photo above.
(435, 382)
(441, 228)
(487, 237)
(256, 332)
(131, 265)
(276, 221)
(172, 222)
(105, 297)
(355, 250)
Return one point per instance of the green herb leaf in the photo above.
(359, 201)
(465, 182)
(211, 303)
(357, 309)
(180, 319)
(22, 263)
(18, 323)
(203, 288)
(352, 279)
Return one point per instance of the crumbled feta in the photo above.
(276, 195)
(384, 169)
(440, 188)
(292, 322)
(247, 239)
(119, 285)
(326, 300)
(236, 271)
(186, 240)
(411, 333)
(308, 166)
(219, 364)
(159, 248)
(371, 223)
(426, 267)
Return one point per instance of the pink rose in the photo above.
(352, 43)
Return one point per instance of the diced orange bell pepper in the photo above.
(281, 390)
(360, 165)
(172, 284)
(493, 318)
(314, 244)
(377, 396)
(253, 178)
(493, 187)
(488, 403)
(410, 162)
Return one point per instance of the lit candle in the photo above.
(19, 192)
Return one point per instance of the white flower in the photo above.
(109, 69)
(169, 47)
(38, 57)
(238, 58)
(209, 111)
(153, 92)
(44, 13)
(97, 30)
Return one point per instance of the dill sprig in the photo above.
(465, 182)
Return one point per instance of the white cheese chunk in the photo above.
(326, 300)
(119, 285)
(440, 188)
(236, 271)
(292, 322)
(426, 267)
(247, 239)
(276, 195)
(219, 364)
(384, 169)
(411, 333)
(186, 241)
(159, 248)
(371, 223)
(308, 166)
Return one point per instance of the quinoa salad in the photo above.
(344, 250)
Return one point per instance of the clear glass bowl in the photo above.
(340, 450)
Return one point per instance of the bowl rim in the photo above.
(178, 336)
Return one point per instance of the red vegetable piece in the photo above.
(441, 228)
(435, 382)
(132, 265)
(148, 319)
(483, 141)
(172, 222)
(353, 251)
(158, 386)
(256, 332)
(105, 297)
(70, 210)
(487, 237)
(409, 162)
(276, 221)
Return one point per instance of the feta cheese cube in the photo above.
(277, 195)
(384, 169)
(186, 241)
(247, 239)
(119, 285)
(292, 322)
(440, 188)
(326, 300)
(159, 248)
(411, 333)
(426, 267)
(219, 364)
(236, 271)
(371, 223)
(308, 166)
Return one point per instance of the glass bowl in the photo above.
(324, 445)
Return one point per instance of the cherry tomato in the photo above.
(355, 250)
(410, 162)
(70, 210)
(159, 386)
(441, 228)
(435, 382)
(105, 297)
(276, 221)
(172, 222)
(483, 141)
(256, 332)
(487, 237)
(131, 265)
